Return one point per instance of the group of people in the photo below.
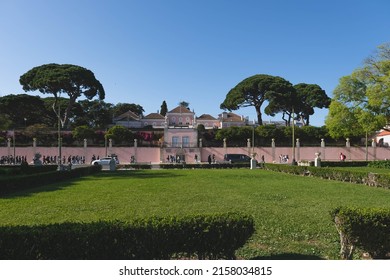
(173, 159)
(283, 158)
(211, 159)
(65, 160)
(13, 160)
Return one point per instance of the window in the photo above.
(186, 141)
(175, 141)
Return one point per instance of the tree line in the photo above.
(24, 110)
(358, 108)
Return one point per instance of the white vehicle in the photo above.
(104, 161)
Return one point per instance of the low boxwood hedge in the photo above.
(134, 166)
(24, 169)
(203, 236)
(365, 228)
(380, 164)
(203, 165)
(359, 163)
(357, 177)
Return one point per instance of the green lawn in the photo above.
(291, 212)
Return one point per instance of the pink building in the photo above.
(154, 119)
(228, 119)
(180, 129)
(208, 121)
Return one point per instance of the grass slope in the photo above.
(291, 212)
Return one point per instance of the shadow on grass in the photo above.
(288, 256)
(56, 186)
(137, 174)
(39, 189)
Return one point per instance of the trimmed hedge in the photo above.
(344, 163)
(23, 182)
(134, 166)
(206, 236)
(380, 164)
(357, 177)
(12, 170)
(203, 165)
(367, 229)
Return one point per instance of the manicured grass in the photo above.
(291, 212)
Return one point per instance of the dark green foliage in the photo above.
(345, 163)
(163, 108)
(55, 79)
(134, 166)
(253, 91)
(122, 108)
(120, 134)
(357, 177)
(366, 228)
(212, 237)
(204, 165)
(310, 96)
(23, 109)
(379, 164)
(263, 134)
(24, 169)
(33, 179)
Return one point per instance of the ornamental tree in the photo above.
(310, 96)
(55, 79)
(253, 91)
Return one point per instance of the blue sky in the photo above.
(147, 51)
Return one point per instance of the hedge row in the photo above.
(204, 165)
(207, 236)
(344, 163)
(23, 182)
(366, 229)
(134, 166)
(12, 170)
(357, 177)
(380, 164)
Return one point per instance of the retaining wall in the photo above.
(156, 155)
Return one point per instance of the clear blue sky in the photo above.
(147, 51)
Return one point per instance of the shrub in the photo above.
(134, 166)
(357, 177)
(380, 164)
(344, 163)
(367, 229)
(206, 236)
(204, 165)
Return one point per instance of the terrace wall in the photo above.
(157, 155)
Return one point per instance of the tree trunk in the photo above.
(258, 112)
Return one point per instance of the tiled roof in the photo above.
(180, 109)
(206, 117)
(128, 116)
(383, 133)
(154, 116)
(231, 117)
